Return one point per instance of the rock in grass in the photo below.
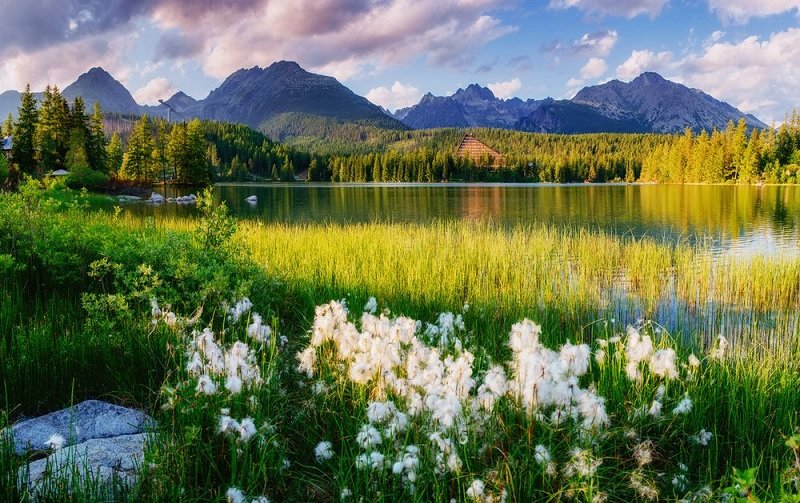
(99, 467)
(91, 419)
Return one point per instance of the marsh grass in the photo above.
(74, 315)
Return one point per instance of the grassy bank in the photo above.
(112, 306)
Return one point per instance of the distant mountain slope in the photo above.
(97, 85)
(661, 105)
(649, 103)
(257, 95)
(474, 106)
(568, 118)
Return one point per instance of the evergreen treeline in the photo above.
(733, 155)
(53, 135)
(430, 155)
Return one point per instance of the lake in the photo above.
(738, 219)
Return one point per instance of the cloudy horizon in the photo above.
(393, 51)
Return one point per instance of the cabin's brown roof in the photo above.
(475, 149)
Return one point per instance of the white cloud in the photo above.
(596, 44)
(341, 34)
(756, 75)
(573, 86)
(623, 8)
(61, 64)
(504, 90)
(594, 68)
(740, 11)
(157, 89)
(642, 61)
(398, 96)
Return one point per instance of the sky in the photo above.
(745, 52)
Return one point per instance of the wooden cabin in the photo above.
(478, 151)
(5, 145)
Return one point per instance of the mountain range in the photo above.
(649, 103)
(282, 97)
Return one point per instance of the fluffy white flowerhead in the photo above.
(475, 490)
(55, 442)
(718, 352)
(662, 363)
(323, 451)
(234, 495)
(703, 437)
(247, 430)
(541, 455)
(205, 385)
(371, 306)
(684, 406)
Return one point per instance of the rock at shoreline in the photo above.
(104, 464)
(91, 419)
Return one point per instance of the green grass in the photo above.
(75, 324)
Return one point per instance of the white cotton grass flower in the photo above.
(235, 495)
(638, 348)
(306, 360)
(681, 482)
(155, 311)
(227, 425)
(323, 451)
(346, 493)
(662, 363)
(239, 309)
(233, 384)
(703, 437)
(541, 455)
(55, 442)
(371, 306)
(206, 385)
(257, 330)
(694, 362)
(475, 491)
(721, 346)
(581, 464)
(374, 460)
(643, 453)
(368, 437)
(684, 406)
(260, 499)
(247, 430)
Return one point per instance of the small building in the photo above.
(478, 151)
(7, 144)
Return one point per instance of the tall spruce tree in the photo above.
(23, 151)
(8, 126)
(96, 141)
(136, 163)
(114, 154)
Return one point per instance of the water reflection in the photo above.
(739, 219)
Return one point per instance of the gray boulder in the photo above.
(91, 419)
(102, 464)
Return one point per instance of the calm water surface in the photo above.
(737, 219)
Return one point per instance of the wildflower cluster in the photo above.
(428, 401)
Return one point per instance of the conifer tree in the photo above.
(8, 126)
(114, 154)
(96, 141)
(23, 151)
(136, 163)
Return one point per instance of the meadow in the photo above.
(285, 362)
